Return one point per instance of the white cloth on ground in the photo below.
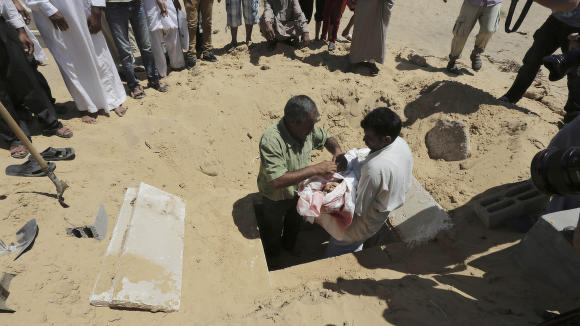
(384, 180)
(83, 58)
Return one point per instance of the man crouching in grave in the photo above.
(385, 177)
(285, 150)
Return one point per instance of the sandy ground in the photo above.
(199, 141)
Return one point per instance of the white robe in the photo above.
(39, 54)
(164, 36)
(83, 58)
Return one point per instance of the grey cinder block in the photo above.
(518, 199)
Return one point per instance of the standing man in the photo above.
(234, 9)
(285, 152)
(71, 31)
(163, 25)
(385, 178)
(191, 8)
(119, 14)
(371, 19)
(283, 20)
(551, 36)
(487, 12)
(21, 85)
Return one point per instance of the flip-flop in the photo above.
(29, 169)
(138, 93)
(54, 132)
(22, 154)
(58, 154)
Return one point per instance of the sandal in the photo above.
(159, 86)
(138, 93)
(58, 154)
(29, 169)
(62, 132)
(18, 151)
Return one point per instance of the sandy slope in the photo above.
(212, 119)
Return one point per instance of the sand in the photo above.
(199, 141)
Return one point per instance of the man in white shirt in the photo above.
(385, 178)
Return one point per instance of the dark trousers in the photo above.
(552, 35)
(23, 89)
(279, 225)
(332, 14)
(307, 7)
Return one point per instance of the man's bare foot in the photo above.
(89, 118)
(63, 132)
(121, 110)
(18, 151)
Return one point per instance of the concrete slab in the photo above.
(150, 272)
(547, 255)
(103, 290)
(514, 200)
(421, 218)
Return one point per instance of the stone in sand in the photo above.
(448, 140)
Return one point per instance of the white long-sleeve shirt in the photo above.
(10, 14)
(48, 9)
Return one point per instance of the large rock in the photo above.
(448, 140)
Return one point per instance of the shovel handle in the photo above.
(20, 134)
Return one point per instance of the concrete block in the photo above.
(103, 290)
(150, 271)
(518, 199)
(548, 256)
(420, 218)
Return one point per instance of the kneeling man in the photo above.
(385, 177)
(285, 151)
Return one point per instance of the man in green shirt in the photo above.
(285, 151)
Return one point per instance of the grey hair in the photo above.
(299, 107)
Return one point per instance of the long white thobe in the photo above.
(83, 58)
(164, 36)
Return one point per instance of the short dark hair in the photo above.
(383, 121)
(299, 107)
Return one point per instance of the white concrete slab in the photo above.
(421, 218)
(150, 272)
(103, 290)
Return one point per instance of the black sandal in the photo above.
(29, 169)
(58, 154)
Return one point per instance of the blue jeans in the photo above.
(118, 16)
(337, 248)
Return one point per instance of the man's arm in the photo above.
(560, 5)
(292, 178)
(23, 12)
(94, 19)
(50, 11)
(11, 15)
(301, 19)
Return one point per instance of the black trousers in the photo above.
(23, 89)
(552, 35)
(308, 8)
(279, 225)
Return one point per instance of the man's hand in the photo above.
(23, 12)
(306, 39)
(58, 21)
(324, 168)
(340, 161)
(27, 44)
(162, 7)
(94, 20)
(269, 31)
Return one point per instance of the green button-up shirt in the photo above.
(281, 153)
